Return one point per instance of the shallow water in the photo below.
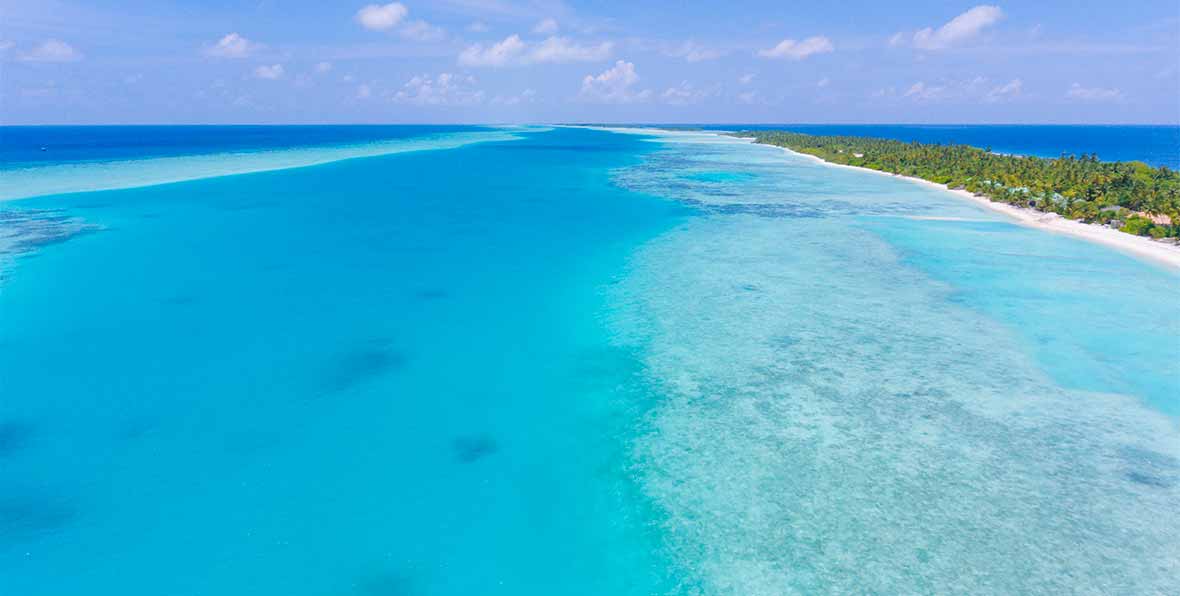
(856, 401)
(105, 158)
(384, 375)
(572, 361)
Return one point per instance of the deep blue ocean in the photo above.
(535, 360)
(30, 145)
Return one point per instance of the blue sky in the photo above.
(304, 61)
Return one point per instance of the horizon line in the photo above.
(593, 123)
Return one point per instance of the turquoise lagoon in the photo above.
(569, 361)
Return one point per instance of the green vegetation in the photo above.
(1131, 196)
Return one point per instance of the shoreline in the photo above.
(1138, 246)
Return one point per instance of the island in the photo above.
(1131, 197)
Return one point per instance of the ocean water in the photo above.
(45, 160)
(543, 361)
(1157, 145)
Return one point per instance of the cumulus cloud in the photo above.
(1076, 91)
(546, 27)
(381, 17)
(798, 50)
(692, 52)
(747, 78)
(959, 29)
(51, 50)
(514, 52)
(443, 89)
(614, 85)
(323, 67)
(364, 91)
(232, 46)
(271, 72)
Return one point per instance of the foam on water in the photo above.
(837, 417)
(57, 178)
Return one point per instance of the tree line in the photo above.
(1130, 196)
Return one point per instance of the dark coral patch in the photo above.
(362, 364)
(474, 448)
(14, 436)
(27, 518)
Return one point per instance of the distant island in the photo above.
(1131, 196)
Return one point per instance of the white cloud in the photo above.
(444, 89)
(546, 27)
(614, 85)
(561, 49)
(798, 50)
(499, 54)
(1076, 91)
(478, 27)
(823, 82)
(957, 90)
(271, 72)
(692, 52)
(685, 93)
(232, 46)
(920, 91)
(422, 31)
(323, 67)
(748, 97)
(747, 78)
(51, 50)
(896, 39)
(958, 29)
(1008, 90)
(6, 45)
(363, 91)
(514, 52)
(378, 17)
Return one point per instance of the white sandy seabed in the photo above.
(1139, 246)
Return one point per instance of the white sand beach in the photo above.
(1139, 246)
